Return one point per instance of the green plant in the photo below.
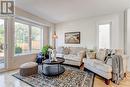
(45, 50)
(18, 50)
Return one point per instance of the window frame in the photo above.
(103, 23)
(30, 24)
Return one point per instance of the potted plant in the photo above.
(45, 51)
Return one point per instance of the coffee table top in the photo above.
(59, 61)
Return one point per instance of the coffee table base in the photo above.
(53, 70)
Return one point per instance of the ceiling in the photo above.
(58, 11)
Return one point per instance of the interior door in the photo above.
(3, 46)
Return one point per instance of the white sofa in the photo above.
(72, 55)
(101, 68)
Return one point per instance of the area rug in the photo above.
(72, 77)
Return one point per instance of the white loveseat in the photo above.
(72, 55)
(101, 68)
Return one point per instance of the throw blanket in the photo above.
(117, 67)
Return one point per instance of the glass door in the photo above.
(2, 44)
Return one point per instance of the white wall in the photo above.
(14, 62)
(87, 27)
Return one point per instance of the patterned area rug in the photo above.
(72, 77)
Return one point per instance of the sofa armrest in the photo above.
(81, 54)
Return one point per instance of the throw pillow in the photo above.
(108, 52)
(101, 54)
(66, 50)
(82, 54)
(91, 55)
(74, 50)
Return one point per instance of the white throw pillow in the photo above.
(101, 54)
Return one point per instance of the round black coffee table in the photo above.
(53, 68)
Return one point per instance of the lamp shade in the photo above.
(54, 35)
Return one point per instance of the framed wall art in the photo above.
(72, 38)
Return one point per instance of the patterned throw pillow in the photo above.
(66, 50)
(108, 52)
(91, 55)
(101, 54)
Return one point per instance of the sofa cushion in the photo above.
(97, 64)
(101, 54)
(72, 57)
(91, 61)
(75, 50)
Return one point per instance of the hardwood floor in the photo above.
(7, 80)
(99, 82)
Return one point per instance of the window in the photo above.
(21, 38)
(36, 38)
(28, 38)
(104, 35)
